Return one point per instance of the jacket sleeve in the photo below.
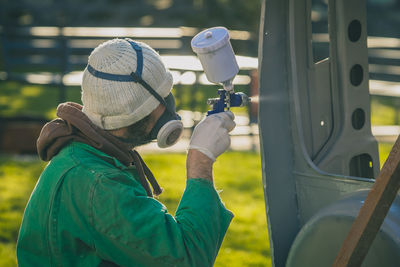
(136, 230)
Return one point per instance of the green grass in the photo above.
(18, 99)
(384, 111)
(246, 242)
(17, 179)
(384, 149)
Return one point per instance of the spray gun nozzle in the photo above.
(228, 85)
(227, 100)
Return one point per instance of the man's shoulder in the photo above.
(88, 161)
(81, 159)
(82, 167)
(80, 154)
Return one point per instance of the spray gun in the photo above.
(216, 55)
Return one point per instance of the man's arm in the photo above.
(199, 165)
(131, 229)
(209, 140)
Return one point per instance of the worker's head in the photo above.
(127, 86)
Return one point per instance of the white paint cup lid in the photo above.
(210, 40)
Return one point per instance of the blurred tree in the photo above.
(234, 14)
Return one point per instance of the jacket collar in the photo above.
(73, 125)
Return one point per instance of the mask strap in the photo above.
(133, 77)
(149, 89)
(139, 56)
(109, 76)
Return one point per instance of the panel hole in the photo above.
(358, 119)
(354, 30)
(356, 75)
(362, 166)
(322, 123)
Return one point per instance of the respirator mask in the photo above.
(168, 128)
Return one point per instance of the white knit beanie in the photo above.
(114, 104)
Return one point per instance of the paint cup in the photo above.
(216, 55)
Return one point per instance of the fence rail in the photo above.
(57, 55)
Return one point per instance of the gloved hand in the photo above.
(211, 135)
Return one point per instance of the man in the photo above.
(92, 205)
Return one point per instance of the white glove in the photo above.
(211, 135)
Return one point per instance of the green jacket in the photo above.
(88, 209)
